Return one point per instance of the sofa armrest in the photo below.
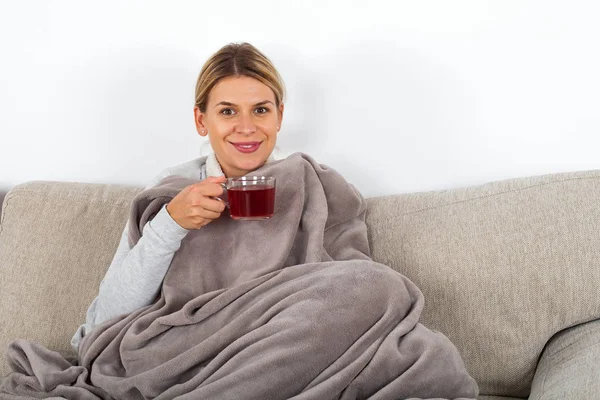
(56, 242)
(570, 365)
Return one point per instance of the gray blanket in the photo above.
(291, 307)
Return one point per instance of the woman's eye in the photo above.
(262, 110)
(227, 111)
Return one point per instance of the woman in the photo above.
(196, 305)
(241, 117)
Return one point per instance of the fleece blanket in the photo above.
(288, 308)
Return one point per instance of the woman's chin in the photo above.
(250, 165)
(248, 162)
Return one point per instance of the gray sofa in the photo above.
(510, 271)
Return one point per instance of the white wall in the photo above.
(399, 96)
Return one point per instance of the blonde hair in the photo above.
(237, 59)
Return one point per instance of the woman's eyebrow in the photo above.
(226, 103)
(264, 102)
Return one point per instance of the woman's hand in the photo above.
(195, 205)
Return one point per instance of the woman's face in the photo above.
(241, 121)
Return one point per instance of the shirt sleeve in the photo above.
(135, 275)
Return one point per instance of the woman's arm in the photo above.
(130, 284)
(133, 280)
(135, 275)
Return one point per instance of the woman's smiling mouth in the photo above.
(246, 147)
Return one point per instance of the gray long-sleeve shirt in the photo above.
(135, 275)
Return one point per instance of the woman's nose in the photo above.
(246, 125)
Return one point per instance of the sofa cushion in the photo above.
(503, 266)
(56, 242)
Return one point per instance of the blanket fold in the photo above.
(290, 307)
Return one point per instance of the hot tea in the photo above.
(251, 202)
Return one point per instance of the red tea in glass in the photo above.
(251, 198)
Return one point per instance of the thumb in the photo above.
(216, 179)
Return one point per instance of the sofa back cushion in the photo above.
(503, 266)
(56, 242)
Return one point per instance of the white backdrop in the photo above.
(399, 96)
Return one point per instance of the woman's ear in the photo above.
(280, 117)
(199, 121)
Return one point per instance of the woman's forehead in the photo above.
(240, 90)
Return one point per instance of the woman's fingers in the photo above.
(215, 179)
(198, 204)
(209, 204)
(216, 204)
(205, 214)
(204, 188)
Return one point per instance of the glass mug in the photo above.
(250, 198)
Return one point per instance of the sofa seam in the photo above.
(498, 194)
(18, 190)
(69, 195)
(3, 210)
